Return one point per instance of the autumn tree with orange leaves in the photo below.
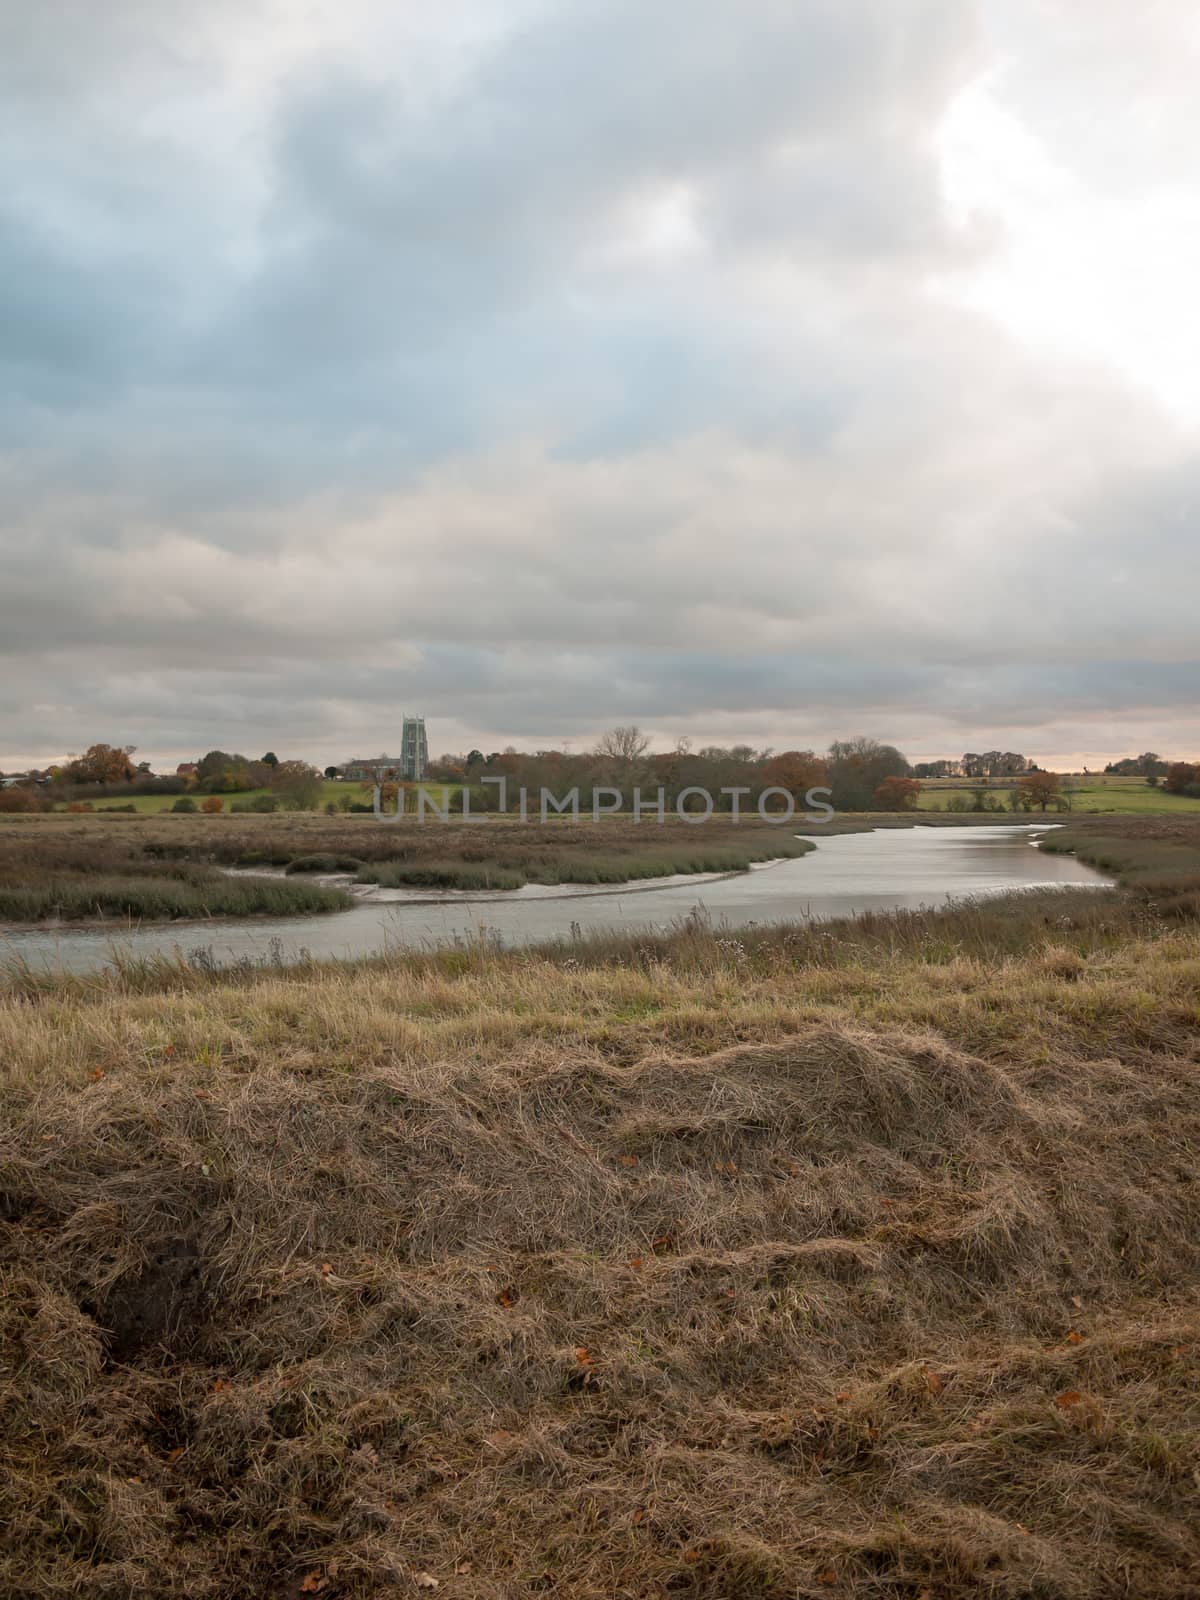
(101, 763)
(897, 794)
(797, 771)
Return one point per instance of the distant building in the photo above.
(372, 769)
(414, 748)
(408, 767)
(186, 769)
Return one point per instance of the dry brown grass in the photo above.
(855, 1262)
(1158, 857)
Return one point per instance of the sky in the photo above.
(763, 373)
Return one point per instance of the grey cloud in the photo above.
(391, 393)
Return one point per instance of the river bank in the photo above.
(835, 1258)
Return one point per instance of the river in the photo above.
(846, 874)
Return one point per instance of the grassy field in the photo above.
(1093, 793)
(332, 791)
(849, 1260)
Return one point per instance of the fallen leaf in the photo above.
(583, 1355)
(1077, 1302)
(96, 1074)
(933, 1381)
(220, 1386)
(627, 1161)
(635, 1262)
(506, 1297)
(827, 1576)
(1074, 1338)
(1067, 1399)
(168, 1050)
(841, 1395)
(326, 1268)
(312, 1582)
(426, 1580)
(174, 1455)
(638, 1516)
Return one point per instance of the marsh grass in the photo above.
(851, 1259)
(501, 865)
(82, 867)
(144, 896)
(65, 879)
(441, 875)
(324, 861)
(1156, 857)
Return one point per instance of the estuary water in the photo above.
(846, 874)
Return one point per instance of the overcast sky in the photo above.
(770, 372)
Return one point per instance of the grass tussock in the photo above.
(441, 875)
(854, 1261)
(324, 861)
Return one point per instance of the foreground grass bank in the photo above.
(837, 1260)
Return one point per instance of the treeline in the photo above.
(1183, 777)
(107, 772)
(991, 764)
(1149, 765)
(858, 774)
(861, 774)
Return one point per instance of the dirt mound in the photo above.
(853, 1313)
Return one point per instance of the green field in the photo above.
(1091, 793)
(155, 804)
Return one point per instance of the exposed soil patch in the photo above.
(161, 1308)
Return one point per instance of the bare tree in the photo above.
(627, 746)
